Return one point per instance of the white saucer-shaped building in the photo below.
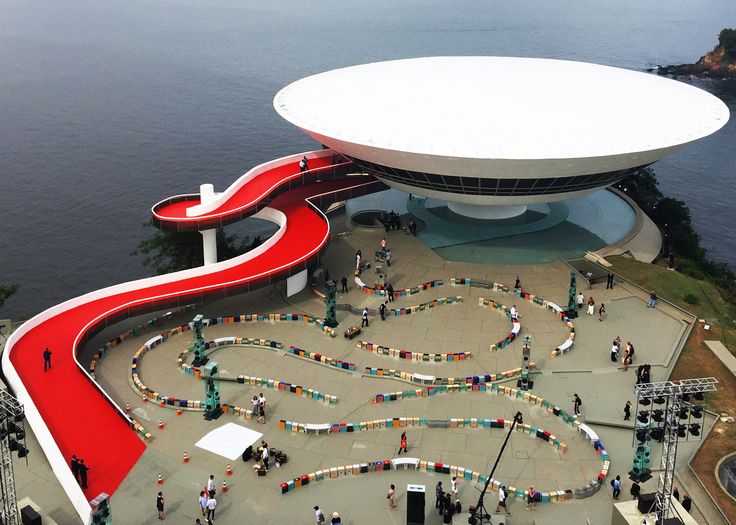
(493, 134)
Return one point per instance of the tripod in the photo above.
(480, 514)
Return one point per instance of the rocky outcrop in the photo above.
(714, 64)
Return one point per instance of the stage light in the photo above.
(697, 412)
(12, 444)
(699, 396)
(643, 416)
(683, 413)
(645, 401)
(641, 435)
(695, 429)
(18, 418)
(20, 434)
(681, 431)
(686, 398)
(658, 415)
(11, 426)
(659, 400)
(656, 433)
(22, 452)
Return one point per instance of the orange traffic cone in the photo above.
(160, 479)
(160, 424)
(186, 457)
(228, 471)
(127, 408)
(224, 488)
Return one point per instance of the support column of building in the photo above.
(209, 237)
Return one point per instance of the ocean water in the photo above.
(105, 108)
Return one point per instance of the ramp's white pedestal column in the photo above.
(209, 237)
(486, 212)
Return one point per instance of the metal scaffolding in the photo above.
(675, 396)
(12, 438)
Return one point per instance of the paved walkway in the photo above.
(586, 370)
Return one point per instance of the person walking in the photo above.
(335, 518)
(319, 515)
(358, 255)
(676, 494)
(635, 489)
(602, 312)
(502, 500)
(591, 305)
(652, 300)
(160, 506)
(517, 283)
(403, 444)
(625, 358)
(364, 323)
(687, 503)
(203, 502)
(439, 495)
(576, 404)
(256, 407)
(211, 506)
(390, 290)
(616, 487)
(261, 408)
(627, 411)
(609, 281)
(46, 359)
(383, 244)
(382, 311)
(304, 164)
(514, 313)
(390, 496)
(211, 486)
(344, 282)
(75, 467)
(530, 501)
(580, 300)
(83, 473)
(453, 488)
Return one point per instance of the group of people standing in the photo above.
(391, 221)
(259, 407)
(79, 471)
(580, 300)
(448, 503)
(627, 356)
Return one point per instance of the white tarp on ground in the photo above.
(229, 440)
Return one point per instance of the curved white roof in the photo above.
(500, 108)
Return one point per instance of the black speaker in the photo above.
(647, 502)
(415, 504)
(28, 516)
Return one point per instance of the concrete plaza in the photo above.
(464, 327)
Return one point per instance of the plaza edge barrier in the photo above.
(585, 491)
(549, 305)
(74, 321)
(515, 324)
(403, 292)
(468, 381)
(396, 312)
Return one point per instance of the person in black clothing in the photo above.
(687, 503)
(448, 510)
(627, 411)
(382, 311)
(439, 496)
(676, 494)
(83, 473)
(635, 489)
(390, 291)
(609, 281)
(344, 282)
(160, 506)
(75, 468)
(646, 374)
(517, 284)
(46, 359)
(364, 323)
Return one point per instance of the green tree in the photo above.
(727, 39)
(6, 291)
(167, 252)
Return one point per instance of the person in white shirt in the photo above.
(211, 505)
(514, 313)
(211, 486)
(203, 502)
(319, 515)
(453, 485)
(502, 500)
(581, 300)
(264, 456)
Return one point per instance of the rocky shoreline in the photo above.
(714, 64)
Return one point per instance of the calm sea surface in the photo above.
(106, 107)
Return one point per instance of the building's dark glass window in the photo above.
(492, 186)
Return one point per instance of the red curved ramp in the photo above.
(67, 409)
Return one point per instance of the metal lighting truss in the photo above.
(11, 412)
(672, 392)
